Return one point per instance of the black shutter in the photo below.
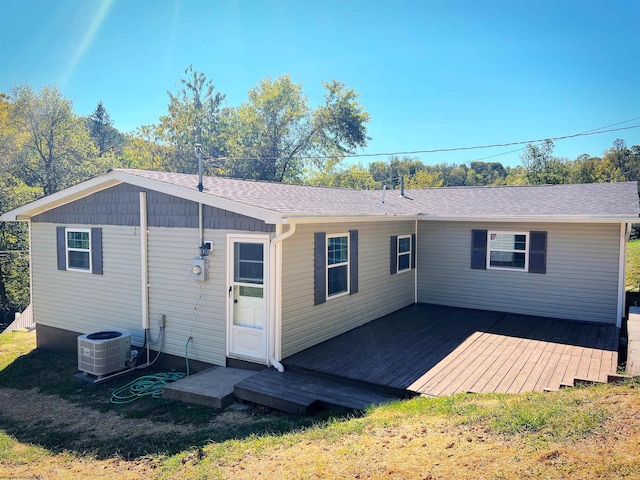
(96, 251)
(320, 268)
(413, 251)
(537, 252)
(61, 246)
(353, 261)
(479, 249)
(393, 255)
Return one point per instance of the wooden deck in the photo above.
(304, 393)
(436, 350)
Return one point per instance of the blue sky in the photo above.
(432, 74)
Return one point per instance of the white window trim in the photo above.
(347, 263)
(67, 250)
(398, 254)
(526, 250)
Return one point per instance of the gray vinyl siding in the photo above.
(81, 302)
(120, 205)
(192, 309)
(581, 282)
(379, 293)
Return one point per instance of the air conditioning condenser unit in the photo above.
(102, 353)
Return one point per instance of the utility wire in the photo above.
(443, 150)
(593, 131)
(477, 147)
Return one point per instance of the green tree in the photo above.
(489, 173)
(354, 177)
(55, 149)
(275, 135)
(144, 149)
(424, 179)
(14, 260)
(380, 172)
(541, 166)
(396, 168)
(105, 137)
(457, 176)
(8, 134)
(195, 116)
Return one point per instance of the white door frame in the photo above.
(243, 342)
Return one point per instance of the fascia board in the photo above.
(301, 220)
(114, 178)
(534, 218)
(60, 198)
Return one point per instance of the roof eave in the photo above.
(329, 218)
(623, 218)
(68, 195)
(113, 178)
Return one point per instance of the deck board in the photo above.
(437, 350)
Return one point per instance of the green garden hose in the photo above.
(148, 385)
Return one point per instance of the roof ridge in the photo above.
(251, 180)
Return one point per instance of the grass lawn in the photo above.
(66, 429)
(633, 265)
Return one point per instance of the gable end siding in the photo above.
(120, 206)
(580, 282)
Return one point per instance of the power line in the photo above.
(613, 124)
(495, 145)
(592, 131)
(585, 132)
(452, 149)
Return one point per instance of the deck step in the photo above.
(302, 394)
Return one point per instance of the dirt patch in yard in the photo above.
(63, 425)
(32, 409)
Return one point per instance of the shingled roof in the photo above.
(592, 200)
(285, 203)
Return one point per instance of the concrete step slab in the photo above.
(211, 388)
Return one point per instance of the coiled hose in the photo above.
(148, 385)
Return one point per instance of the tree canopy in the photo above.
(276, 135)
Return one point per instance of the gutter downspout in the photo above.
(625, 232)
(275, 296)
(415, 274)
(144, 267)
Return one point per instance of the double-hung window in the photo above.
(404, 253)
(337, 264)
(508, 250)
(78, 249)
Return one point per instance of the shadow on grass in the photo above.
(53, 373)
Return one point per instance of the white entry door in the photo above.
(248, 270)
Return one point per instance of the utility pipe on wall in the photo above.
(275, 289)
(625, 232)
(201, 227)
(415, 273)
(144, 260)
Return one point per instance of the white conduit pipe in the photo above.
(200, 225)
(144, 271)
(274, 300)
(144, 260)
